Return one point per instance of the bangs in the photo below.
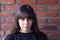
(25, 15)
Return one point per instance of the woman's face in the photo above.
(25, 24)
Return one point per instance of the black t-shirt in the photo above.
(25, 36)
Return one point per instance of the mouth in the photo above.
(25, 26)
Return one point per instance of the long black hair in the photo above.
(27, 11)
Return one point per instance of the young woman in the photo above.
(26, 25)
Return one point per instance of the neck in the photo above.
(25, 31)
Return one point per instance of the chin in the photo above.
(25, 29)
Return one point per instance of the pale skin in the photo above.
(25, 25)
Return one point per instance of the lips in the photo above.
(25, 26)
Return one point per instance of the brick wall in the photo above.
(48, 16)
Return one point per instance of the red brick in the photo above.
(8, 32)
(45, 14)
(8, 1)
(52, 39)
(2, 26)
(3, 38)
(26, 1)
(59, 27)
(1, 19)
(39, 7)
(53, 7)
(54, 20)
(9, 26)
(47, 1)
(6, 14)
(1, 33)
(11, 20)
(41, 20)
(48, 27)
(11, 7)
(1, 8)
(55, 34)
(0, 38)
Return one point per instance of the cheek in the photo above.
(30, 23)
(20, 23)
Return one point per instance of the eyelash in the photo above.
(23, 19)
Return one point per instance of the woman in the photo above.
(26, 25)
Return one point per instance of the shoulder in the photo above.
(42, 36)
(9, 37)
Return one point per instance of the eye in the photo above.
(29, 18)
(22, 18)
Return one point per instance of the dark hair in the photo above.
(27, 11)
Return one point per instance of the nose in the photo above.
(26, 21)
